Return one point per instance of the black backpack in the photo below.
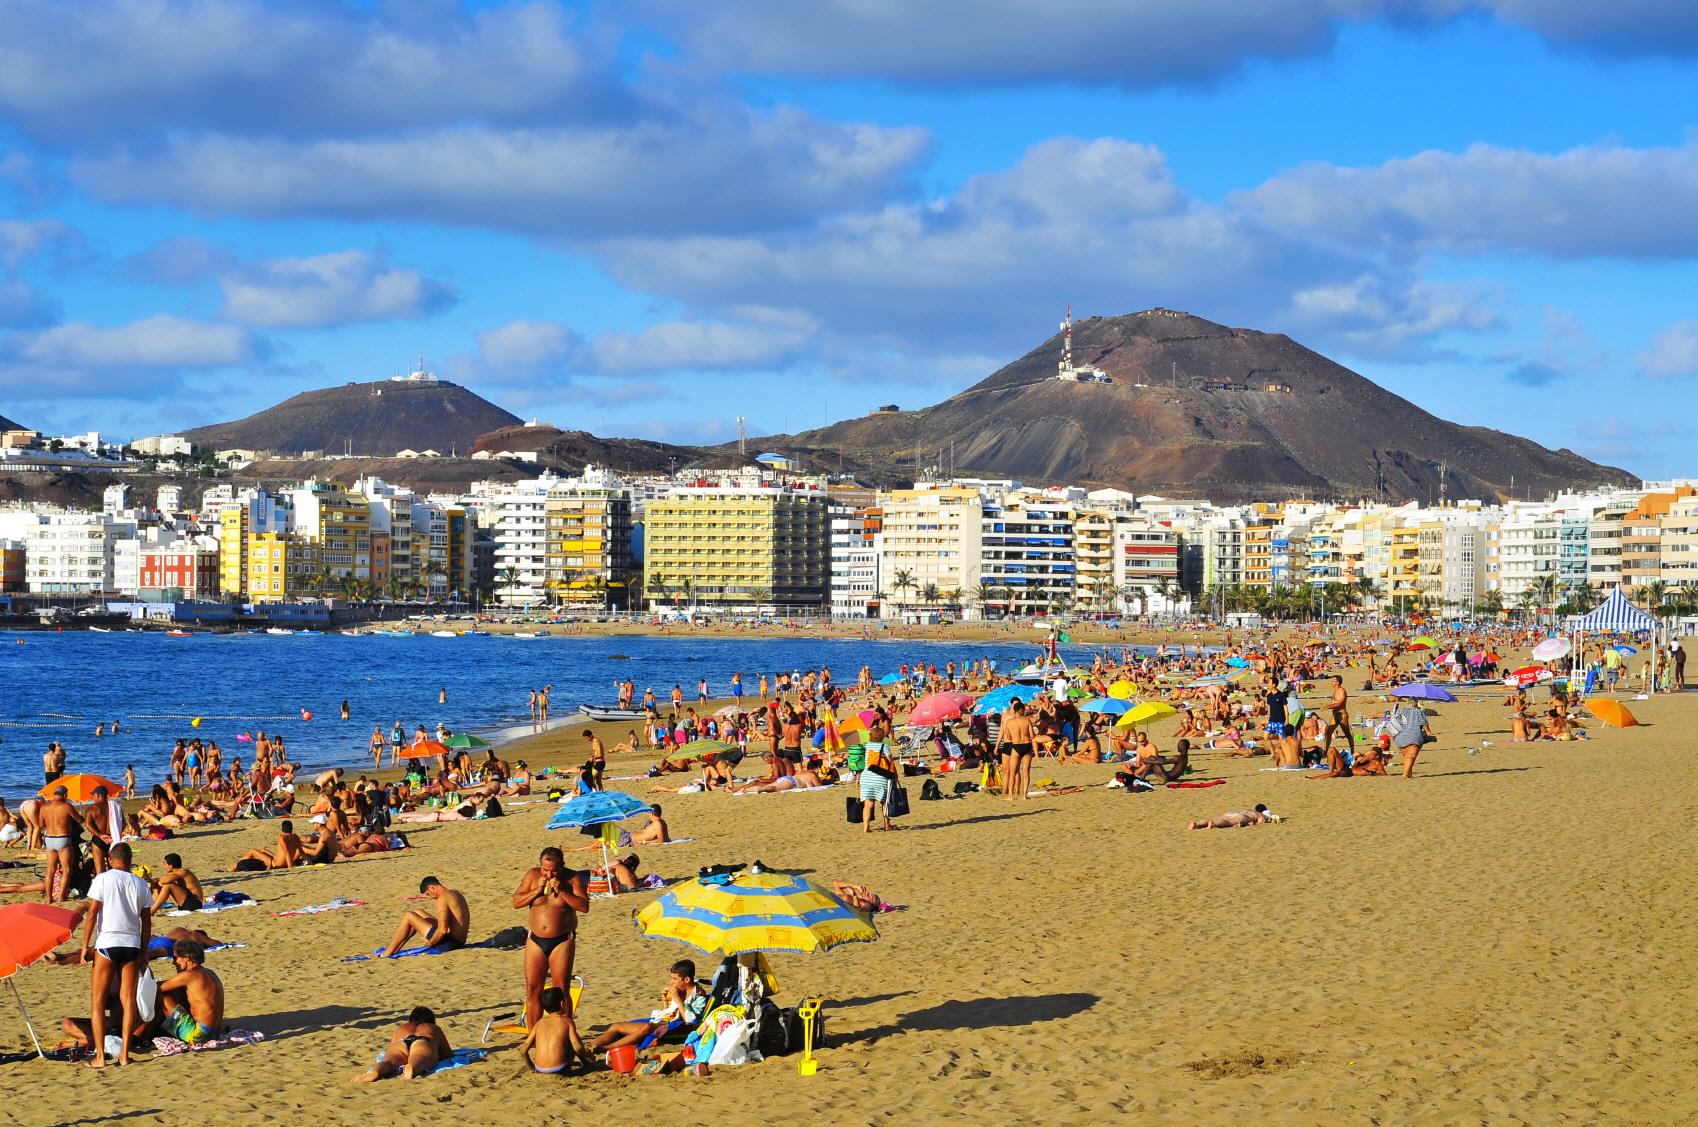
(930, 791)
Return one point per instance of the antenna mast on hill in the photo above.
(1442, 467)
(1067, 340)
(742, 437)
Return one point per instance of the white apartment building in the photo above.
(517, 515)
(1027, 552)
(72, 553)
(932, 538)
(855, 555)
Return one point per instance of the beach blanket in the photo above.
(459, 1058)
(222, 901)
(235, 1038)
(410, 952)
(792, 790)
(1197, 785)
(335, 905)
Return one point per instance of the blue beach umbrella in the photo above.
(1422, 691)
(1108, 706)
(1237, 662)
(892, 679)
(597, 808)
(1625, 650)
(998, 699)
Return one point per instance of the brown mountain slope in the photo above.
(376, 419)
(569, 451)
(1201, 408)
(8, 424)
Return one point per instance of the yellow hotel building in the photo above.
(732, 546)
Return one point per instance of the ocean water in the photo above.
(59, 686)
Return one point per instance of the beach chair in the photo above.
(513, 1024)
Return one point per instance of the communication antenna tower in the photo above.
(742, 436)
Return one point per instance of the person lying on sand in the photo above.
(857, 896)
(417, 1046)
(1369, 761)
(447, 927)
(553, 1042)
(1233, 819)
(286, 854)
(803, 778)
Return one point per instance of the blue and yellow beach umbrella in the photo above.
(754, 912)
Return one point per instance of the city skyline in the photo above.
(648, 221)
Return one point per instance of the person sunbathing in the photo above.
(655, 833)
(287, 853)
(803, 779)
(857, 896)
(177, 886)
(447, 927)
(1234, 819)
(683, 1002)
(417, 1046)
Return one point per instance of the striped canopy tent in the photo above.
(1615, 615)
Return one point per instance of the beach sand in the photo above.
(1508, 938)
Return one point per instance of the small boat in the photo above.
(443, 634)
(1040, 673)
(531, 634)
(610, 712)
(99, 630)
(393, 633)
(278, 630)
(178, 634)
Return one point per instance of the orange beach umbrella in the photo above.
(1611, 712)
(423, 749)
(80, 788)
(27, 932)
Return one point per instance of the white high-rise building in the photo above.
(72, 553)
(517, 515)
(855, 552)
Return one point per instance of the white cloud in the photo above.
(698, 345)
(1596, 200)
(1673, 353)
(1123, 43)
(329, 289)
(715, 171)
(141, 359)
(114, 67)
(22, 239)
(525, 344)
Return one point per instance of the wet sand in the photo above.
(1507, 938)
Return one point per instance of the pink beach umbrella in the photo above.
(936, 708)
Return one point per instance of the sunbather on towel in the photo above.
(417, 1046)
(801, 780)
(286, 854)
(1233, 819)
(447, 927)
(682, 1000)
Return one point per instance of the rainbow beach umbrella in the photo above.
(754, 912)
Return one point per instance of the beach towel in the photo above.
(459, 1058)
(410, 952)
(335, 905)
(235, 1038)
(222, 901)
(1197, 785)
(792, 790)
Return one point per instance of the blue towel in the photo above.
(459, 1058)
(412, 951)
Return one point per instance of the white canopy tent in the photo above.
(1615, 615)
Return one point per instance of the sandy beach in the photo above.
(1506, 938)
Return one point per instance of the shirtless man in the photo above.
(598, 755)
(1338, 719)
(1017, 733)
(101, 832)
(52, 763)
(655, 833)
(59, 823)
(553, 1042)
(286, 855)
(553, 895)
(177, 885)
(446, 930)
(417, 1046)
(192, 1000)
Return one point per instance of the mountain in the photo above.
(569, 451)
(1195, 408)
(8, 424)
(377, 419)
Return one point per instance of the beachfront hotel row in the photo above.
(769, 541)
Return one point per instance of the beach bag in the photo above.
(795, 1028)
(852, 809)
(930, 791)
(896, 801)
(773, 1040)
(508, 939)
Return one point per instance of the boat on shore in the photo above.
(610, 712)
(444, 634)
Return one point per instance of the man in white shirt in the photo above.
(119, 925)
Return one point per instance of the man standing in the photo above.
(1677, 657)
(598, 756)
(447, 929)
(119, 925)
(1016, 733)
(59, 826)
(52, 764)
(553, 895)
(1338, 718)
(104, 824)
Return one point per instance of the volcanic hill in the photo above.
(1196, 408)
(8, 424)
(377, 419)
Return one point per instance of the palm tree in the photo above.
(981, 594)
(1166, 589)
(508, 577)
(1653, 593)
(1136, 594)
(952, 597)
(903, 581)
(1585, 598)
(687, 588)
(657, 586)
(1367, 590)
(929, 594)
(1490, 603)
(322, 580)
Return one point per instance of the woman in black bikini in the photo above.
(417, 1046)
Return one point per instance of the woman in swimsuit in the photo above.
(417, 1046)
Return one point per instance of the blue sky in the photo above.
(648, 218)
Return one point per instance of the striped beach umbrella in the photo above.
(754, 912)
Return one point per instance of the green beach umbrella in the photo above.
(466, 739)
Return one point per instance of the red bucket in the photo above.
(622, 1058)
